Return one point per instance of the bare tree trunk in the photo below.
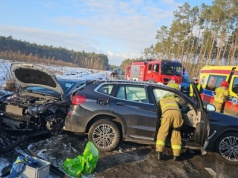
(192, 47)
(223, 54)
(205, 49)
(213, 40)
(211, 49)
(204, 52)
(219, 49)
(233, 53)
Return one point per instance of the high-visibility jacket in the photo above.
(191, 93)
(168, 103)
(220, 94)
(173, 85)
(171, 117)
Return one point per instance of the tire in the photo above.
(227, 148)
(104, 134)
(55, 124)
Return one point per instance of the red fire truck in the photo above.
(158, 71)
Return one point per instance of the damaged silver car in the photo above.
(41, 102)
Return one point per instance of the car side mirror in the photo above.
(211, 107)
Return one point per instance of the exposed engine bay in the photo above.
(31, 112)
(27, 104)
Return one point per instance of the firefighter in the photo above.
(114, 70)
(114, 73)
(171, 118)
(221, 94)
(174, 82)
(198, 85)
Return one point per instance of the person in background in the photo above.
(221, 95)
(114, 73)
(198, 85)
(174, 82)
(171, 119)
(106, 75)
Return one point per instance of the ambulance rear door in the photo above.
(231, 106)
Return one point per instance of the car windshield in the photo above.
(66, 85)
(170, 69)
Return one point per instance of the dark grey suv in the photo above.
(114, 111)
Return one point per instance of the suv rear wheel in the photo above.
(104, 134)
(226, 147)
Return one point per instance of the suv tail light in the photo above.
(78, 99)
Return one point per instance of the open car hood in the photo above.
(35, 75)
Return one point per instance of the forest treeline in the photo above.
(198, 36)
(12, 49)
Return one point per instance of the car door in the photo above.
(203, 127)
(149, 74)
(231, 105)
(131, 104)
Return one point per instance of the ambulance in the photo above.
(211, 77)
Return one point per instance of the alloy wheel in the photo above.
(103, 135)
(228, 148)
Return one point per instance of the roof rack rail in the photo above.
(133, 82)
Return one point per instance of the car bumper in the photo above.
(75, 120)
(72, 127)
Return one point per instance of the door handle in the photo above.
(120, 104)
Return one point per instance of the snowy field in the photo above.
(59, 71)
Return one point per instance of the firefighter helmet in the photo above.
(174, 78)
(224, 84)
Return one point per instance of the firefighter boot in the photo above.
(175, 158)
(158, 155)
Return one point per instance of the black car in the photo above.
(114, 111)
(224, 137)
(41, 102)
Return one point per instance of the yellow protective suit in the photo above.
(171, 117)
(221, 94)
(173, 85)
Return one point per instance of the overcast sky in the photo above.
(119, 29)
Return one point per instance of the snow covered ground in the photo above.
(60, 72)
(4, 72)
